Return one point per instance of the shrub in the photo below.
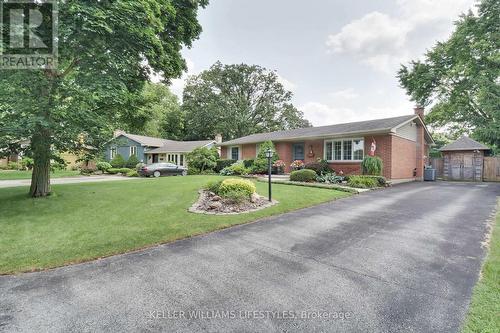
(236, 196)
(279, 167)
(237, 168)
(132, 173)
(118, 161)
(372, 165)
(193, 171)
(235, 184)
(297, 165)
(329, 178)
(203, 158)
(139, 166)
(58, 165)
(113, 171)
(103, 166)
(214, 186)
(362, 182)
(124, 170)
(260, 163)
(249, 163)
(320, 167)
(13, 166)
(27, 163)
(221, 164)
(132, 162)
(304, 175)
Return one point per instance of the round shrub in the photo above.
(124, 170)
(235, 184)
(304, 175)
(118, 161)
(214, 186)
(103, 166)
(113, 171)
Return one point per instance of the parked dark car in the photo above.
(162, 169)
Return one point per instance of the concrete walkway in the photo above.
(65, 180)
(404, 259)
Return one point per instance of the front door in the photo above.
(155, 158)
(298, 151)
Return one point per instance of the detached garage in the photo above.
(464, 160)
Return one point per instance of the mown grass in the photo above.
(484, 311)
(15, 174)
(80, 222)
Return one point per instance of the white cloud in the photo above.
(383, 41)
(288, 85)
(345, 94)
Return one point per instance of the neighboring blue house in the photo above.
(152, 150)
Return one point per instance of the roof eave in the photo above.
(325, 136)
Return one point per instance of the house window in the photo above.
(133, 150)
(235, 153)
(298, 151)
(344, 150)
(112, 153)
(181, 159)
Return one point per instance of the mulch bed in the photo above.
(210, 203)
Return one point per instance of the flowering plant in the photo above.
(297, 164)
(279, 164)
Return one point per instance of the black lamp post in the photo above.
(269, 155)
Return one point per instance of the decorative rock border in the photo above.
(198, 206)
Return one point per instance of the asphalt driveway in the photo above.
(399, 260)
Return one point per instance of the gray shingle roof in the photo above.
(360, 127)
(147, 140)
(180, 146)
(464, 143)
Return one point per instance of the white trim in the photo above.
(130, 151)
(332, 140)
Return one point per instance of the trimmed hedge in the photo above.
(304, 175)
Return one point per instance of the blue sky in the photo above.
(339, 58)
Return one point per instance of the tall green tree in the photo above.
(238, 100)
(161, 114)
(107, 51)
(460, 78)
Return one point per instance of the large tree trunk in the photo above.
(40, 179)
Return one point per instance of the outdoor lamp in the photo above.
(269, 155)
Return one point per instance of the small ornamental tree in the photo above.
(203, 158)
(118, 161)
(260, 163)
(372, 165)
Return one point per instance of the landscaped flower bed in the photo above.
(229, 196)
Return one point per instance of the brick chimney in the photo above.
(419, 110)
(118, 132)
(218, 138)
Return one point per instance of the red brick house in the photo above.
(401, 142)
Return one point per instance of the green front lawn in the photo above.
(15, 174)
(85, 221)
(484, 312)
